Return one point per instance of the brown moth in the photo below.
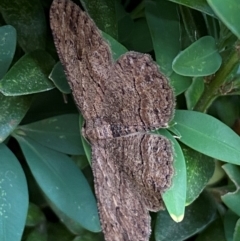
(119, 101)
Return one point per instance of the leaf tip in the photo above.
(177, 219)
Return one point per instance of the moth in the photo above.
(120, 101)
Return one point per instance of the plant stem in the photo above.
(138, 11)
(211, 91)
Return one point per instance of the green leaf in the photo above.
(48, 104)
(125, 22)
(218, 174)
(60, 133)
(197, 216)
(81, 161)
(13, 198)
(35, 216)
(175, 197)
(226, 109)
(57, 231)
(62, 182)
(207, 135)
(136, 40)
(236, 235)
(12, 110)
(230, 220)
(231, 199)
(200, 169)
(59, 79)
(29, 75)
(38, 234)
(179, 83)
(200, 5)
(194, 92)
(8, 40)
(29, 20)
(214, 231)
(200, 59)
(164, 26)
(104, 15)
(228, 12)
(116, 48)
(87, 236)
(70, 224)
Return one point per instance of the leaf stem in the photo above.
(138, 11)
(211, 91)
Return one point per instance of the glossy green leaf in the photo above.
(29, 20)
(12, 110)
(194, 92)
(228, 12)
(13, 198)
(179, 83)
(8, 40)
(137, 41)
(29, 75)
(197, 216)
(60, 133)
(104, 15)
(62, 182)
(116, 48)
(230, 220)
(200, 59)
(236, 235)
(226, 109)
(200, 5)
(164, 26)
(218, 174)
(200, 169)
(207, 135)
(175, 197)
(214, 232)
(231, 199)
(125, 23)
(59, 79)
(70, 224)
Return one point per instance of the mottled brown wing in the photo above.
(84, 54)
(147, 160)
(130, 175)
(123, 215)
(139, 97)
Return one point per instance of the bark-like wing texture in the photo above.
(139, 96)
(130, 176)
(84, 54)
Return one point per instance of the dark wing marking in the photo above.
(84, 54)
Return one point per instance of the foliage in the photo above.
(46, 184)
